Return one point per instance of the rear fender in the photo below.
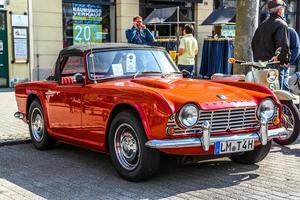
(283, 95)
(42, 100)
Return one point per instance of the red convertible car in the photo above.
(132, 102)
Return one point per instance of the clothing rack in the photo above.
(215, 55)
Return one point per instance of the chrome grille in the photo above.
(223, 120)
(233, 119)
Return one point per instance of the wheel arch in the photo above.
(125, 107)
(283, 95)
(31, 97)
(36, 96)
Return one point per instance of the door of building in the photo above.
(3, 51)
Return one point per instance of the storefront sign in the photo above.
(20, 39)
(19, 20)
(87, 23)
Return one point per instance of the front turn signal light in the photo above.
(276, 121)
(171, 131)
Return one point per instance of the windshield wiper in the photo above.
(146, 72)
(170, 73)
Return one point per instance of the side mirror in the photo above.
(79, 78)
(186, 74)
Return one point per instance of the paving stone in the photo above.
(11, 129)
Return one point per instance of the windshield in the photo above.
(129, 62)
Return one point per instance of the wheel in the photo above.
(255, 156)
(131, 158)
(291, 123)
(37, 127)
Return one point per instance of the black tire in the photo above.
(295, 134)
(146, 162)
(252, 157)
(38, 133)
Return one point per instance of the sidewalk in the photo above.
(12, 130)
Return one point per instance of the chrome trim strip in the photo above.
(196, 142)
(51, 93)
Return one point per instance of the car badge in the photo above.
(222, 97)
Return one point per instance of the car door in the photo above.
(64, 103)
(97, 100)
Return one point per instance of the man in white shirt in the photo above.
(188, 49)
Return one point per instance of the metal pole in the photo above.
(178, 20)
(177, 34)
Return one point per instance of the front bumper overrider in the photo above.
(206, 140)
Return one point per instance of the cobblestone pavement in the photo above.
(72, 173)
(68, 172)
(11, 129)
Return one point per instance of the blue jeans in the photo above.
(283, 78)
(189, 68)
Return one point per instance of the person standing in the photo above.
(294, 46)
(139, 33)
(271, 35)
(187, 50)
(295, 53)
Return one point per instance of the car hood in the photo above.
(207, 94)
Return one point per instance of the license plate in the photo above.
(234, 146)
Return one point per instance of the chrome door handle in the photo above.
(50, 92)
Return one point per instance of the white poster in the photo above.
(19, 20)
(20, 40)
(131, 63)
(20, 47)
(117, 69)
(20, 33)
(2, 4)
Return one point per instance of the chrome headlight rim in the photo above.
(180, 119)
(259, 111)
(272, 77)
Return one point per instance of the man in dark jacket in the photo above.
(271, 35)
(139, 34)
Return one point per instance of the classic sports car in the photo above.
(132, 102)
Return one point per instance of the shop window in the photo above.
(2, 21)
(224, 3)
(167, 30)
(86, 23)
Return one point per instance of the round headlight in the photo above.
(272, 76)
(188, 115)
(266, 109)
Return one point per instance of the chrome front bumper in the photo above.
(206, 140)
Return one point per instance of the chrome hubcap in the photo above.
(37, 125)
(289, 121)
(127, 147)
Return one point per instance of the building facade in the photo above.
(14, 61)
(32, 32)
